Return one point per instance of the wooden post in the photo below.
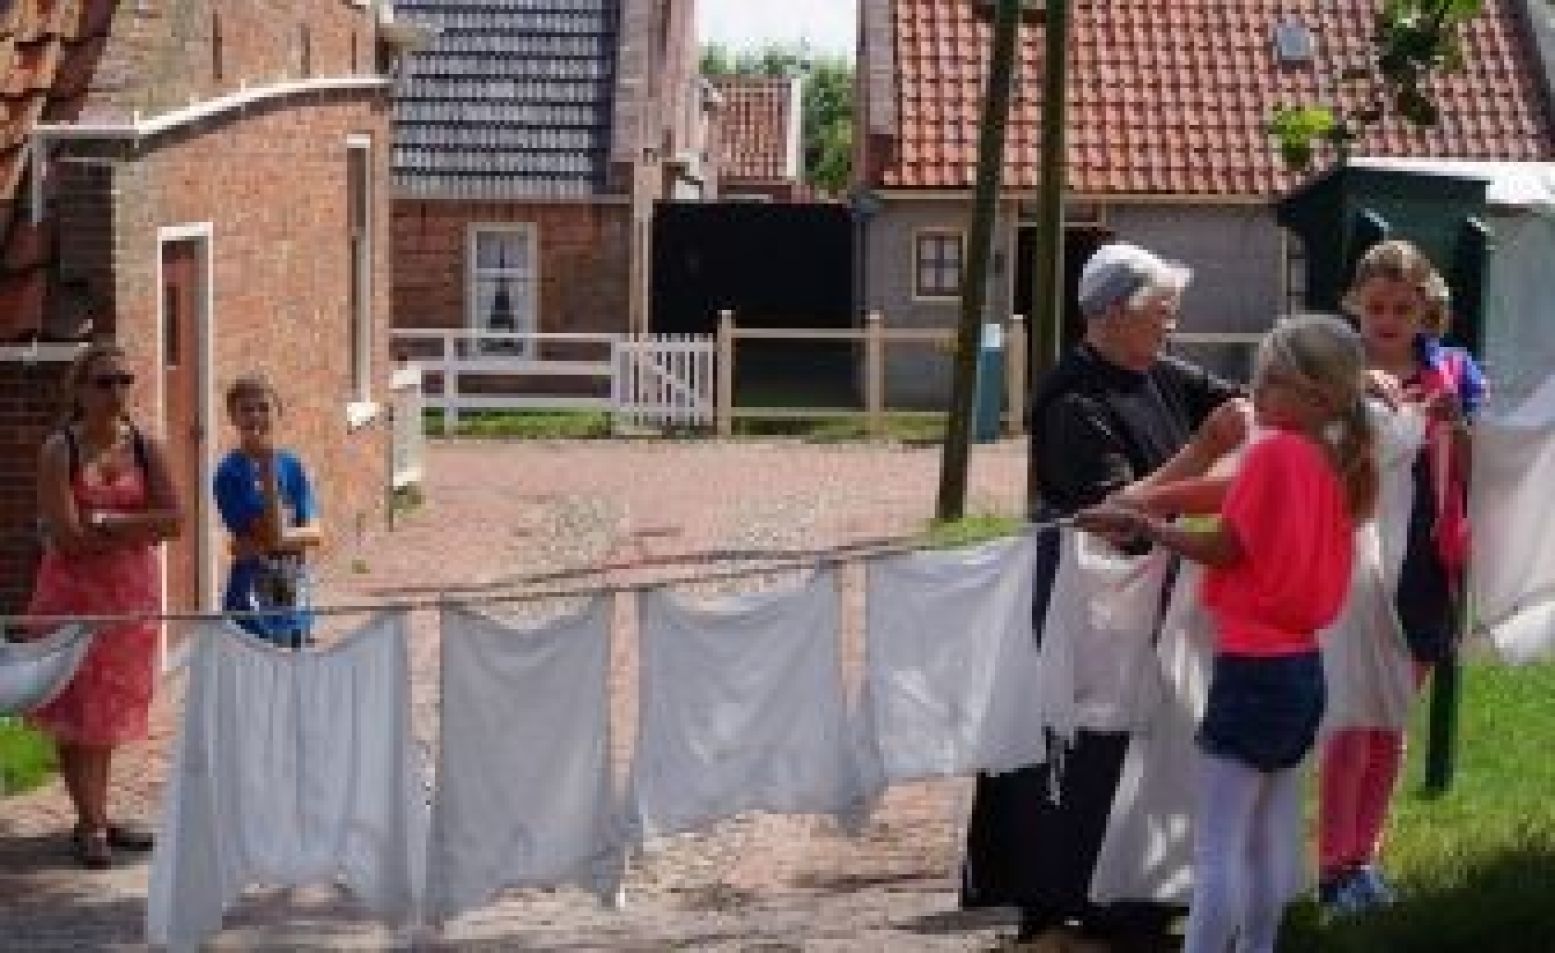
(1015, 355)
(874, 373)
(1047, 314)
(725, 408)
(956, 457)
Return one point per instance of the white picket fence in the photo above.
(643, 381)
(665, 380)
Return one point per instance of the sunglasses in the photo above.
(113, 381)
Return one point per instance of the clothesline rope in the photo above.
(812, 560)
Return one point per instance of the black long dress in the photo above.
(1096, 427)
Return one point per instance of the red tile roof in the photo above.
(753, 129)
(1173, 96)
(49, 51)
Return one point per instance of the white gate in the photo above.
(664, 380)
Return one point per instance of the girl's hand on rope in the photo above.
(1117, 523)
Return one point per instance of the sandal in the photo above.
(133, 839)
(93, 849)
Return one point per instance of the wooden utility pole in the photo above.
(1047, 323)
(1048, 276)
(974, 285)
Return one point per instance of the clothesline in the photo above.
(779, 561)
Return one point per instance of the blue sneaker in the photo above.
(1371, 885)
(1343, 897)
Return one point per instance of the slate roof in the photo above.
(49, 51)
(1173, 96)
(513, 98)
(754, 131)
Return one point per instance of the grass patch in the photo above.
(525, 424)
(26, 757)
(970, 530)
(1475, 867)
(909, 428)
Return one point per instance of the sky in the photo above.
(828, 25)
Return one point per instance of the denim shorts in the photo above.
(1264, 711)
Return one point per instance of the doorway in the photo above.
(183, 325)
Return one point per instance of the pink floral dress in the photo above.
(109, 699)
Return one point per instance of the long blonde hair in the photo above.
(1327, 355)
(1401, 261)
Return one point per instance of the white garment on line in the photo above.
(292, 768)
(1147, 853)
(524, 793)
(1097, 657)
(1367, 666)
(1512, 572)
(952, 666)
(32, 673)
(741, 708)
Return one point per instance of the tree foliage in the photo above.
(827, 102)
(1414, 41)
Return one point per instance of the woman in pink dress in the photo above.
(106, 500)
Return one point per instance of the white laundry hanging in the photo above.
(1097, 657)
(32, 673)
(1512, 572)
(291, 768)
(524, 793)
(1367, 666)
(1147, 853)
(952, 666)
(741, 709)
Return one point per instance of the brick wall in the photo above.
(585, 260)
(28, 409)
(163, 53)
(273, 185)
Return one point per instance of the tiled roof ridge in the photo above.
(510, 98)
(1174, 97)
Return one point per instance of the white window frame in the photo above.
(473, 273)
(917, 284)
(361, 409)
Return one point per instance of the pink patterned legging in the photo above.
(1360, 768)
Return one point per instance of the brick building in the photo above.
(759, 137)
(1167, 144)
(531, 142)
(205, 182)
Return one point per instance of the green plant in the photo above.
(970, 530)
(26, 757)
(1414, 41)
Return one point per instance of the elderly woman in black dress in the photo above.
(1111, 413)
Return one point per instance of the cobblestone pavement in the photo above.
(496, 511)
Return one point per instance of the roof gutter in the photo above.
(137, 129)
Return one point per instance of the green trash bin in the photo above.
(988, 408)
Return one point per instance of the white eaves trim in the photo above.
(139, 128)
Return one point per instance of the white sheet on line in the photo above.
(32, 673)
(1097, 667)
(1366, 661)
(951, 667)
(741, 708)
(524, 794)
(1512, 573)
(291, 768)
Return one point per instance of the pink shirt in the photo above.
(1288, 509)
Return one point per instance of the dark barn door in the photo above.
(776, 266)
